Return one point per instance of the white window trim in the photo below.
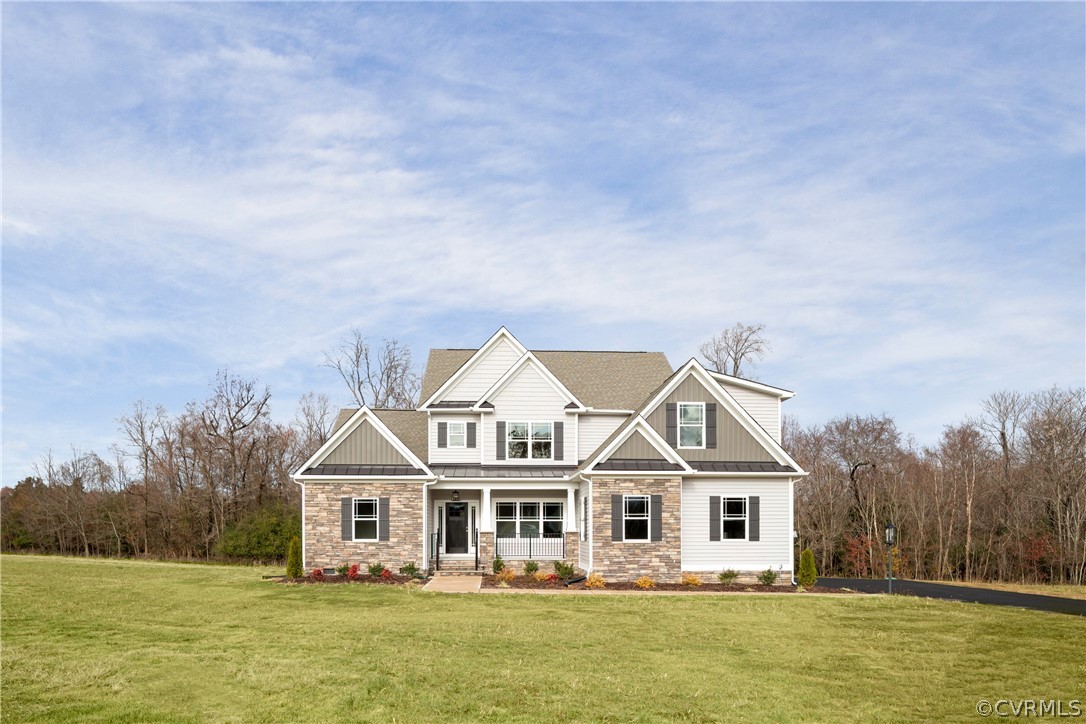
(541, 519)
(376, 519)
(724, 516)
(679, 426)
(529, 423)
(647, 519)
(463, 435)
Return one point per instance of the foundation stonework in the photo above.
(324, 546)
(628, 560)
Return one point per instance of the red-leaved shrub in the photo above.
(552, 577)
(352, 573)
(386, 574)
(318, 574)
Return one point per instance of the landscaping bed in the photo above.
(529, 582)
(395, 579)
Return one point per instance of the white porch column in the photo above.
(486, 523)
(571, 510)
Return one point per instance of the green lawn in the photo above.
(124, 641)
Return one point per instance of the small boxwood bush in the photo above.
(375, 569)
(563, 569)
(530, 567)
(409, 569)
(767, 577)
(499, 564)
(343, 569)
(728, 577)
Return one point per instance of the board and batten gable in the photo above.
(528, 397)
(734, 443)
(763, 407)
(772, 550)
(456, 454)
(592, 430)
(484, 372)
(636, 447)
(365, 445)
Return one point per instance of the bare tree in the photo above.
(381, 377)
(736, 348)
(313, 420)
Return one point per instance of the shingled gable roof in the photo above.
(600, 380)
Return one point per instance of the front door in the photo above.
(456, 527)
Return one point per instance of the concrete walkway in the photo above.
(454, 584)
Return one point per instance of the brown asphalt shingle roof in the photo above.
(603, 380)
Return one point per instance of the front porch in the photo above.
(470, 523)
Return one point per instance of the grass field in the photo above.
(1060, 590)
(124, 640)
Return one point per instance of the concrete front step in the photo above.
(458, 572)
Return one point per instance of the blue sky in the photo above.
(895, 190)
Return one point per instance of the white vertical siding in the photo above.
(452, 454)
(528, 397)
(773, 550)
(484, 373)
(765, 409)
(593, 430)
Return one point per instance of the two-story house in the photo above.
(609, 460)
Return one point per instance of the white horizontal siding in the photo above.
(593, 430)
(452, 454)
(773, 550)
(765, 409)
(528, 397)
(484, 373)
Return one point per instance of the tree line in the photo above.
(998, 497)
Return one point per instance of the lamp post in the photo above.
(891, 538)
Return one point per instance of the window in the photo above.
(458, 434)
(692, 424)
(365, 519)
(733, 519)
(529, 520)
(540, 446)
(635, 519)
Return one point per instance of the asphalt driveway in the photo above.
(961, 593)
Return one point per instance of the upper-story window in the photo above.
(691, 424)
(530, 440)
(458, 434)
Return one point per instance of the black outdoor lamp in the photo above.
(456, 496)
(891, 539)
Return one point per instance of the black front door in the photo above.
(456, 527)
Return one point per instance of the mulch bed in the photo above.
(530, 583)
(394, 580)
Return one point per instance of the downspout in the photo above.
(426, 524)
(792, 524)
(302, 485)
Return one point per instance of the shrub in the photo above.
(261, 535)
(541, 576)
(530, 567)
(691, 579)
(552, 577)
(294, 558)
(505, 575)
(727, 577)
(352, 572)
(318, 574)
(767, 577)
(563, 569)
(595, 580)
(499, 564)
(645, 582)
(375, 569)
(808, 573)
(409, 569)
(344, 569)
(386, 574)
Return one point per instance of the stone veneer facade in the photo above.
(486, 554)
(628, 561)
(324, 546)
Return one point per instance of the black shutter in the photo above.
(714, 517)
(499, 441)
(754, 518)
(559, 441)
(616, 517)
(471, 434)
(382, 519)
(672, 423)
(710, 425)
(442, 434)
(656, 517)
(346, 519)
